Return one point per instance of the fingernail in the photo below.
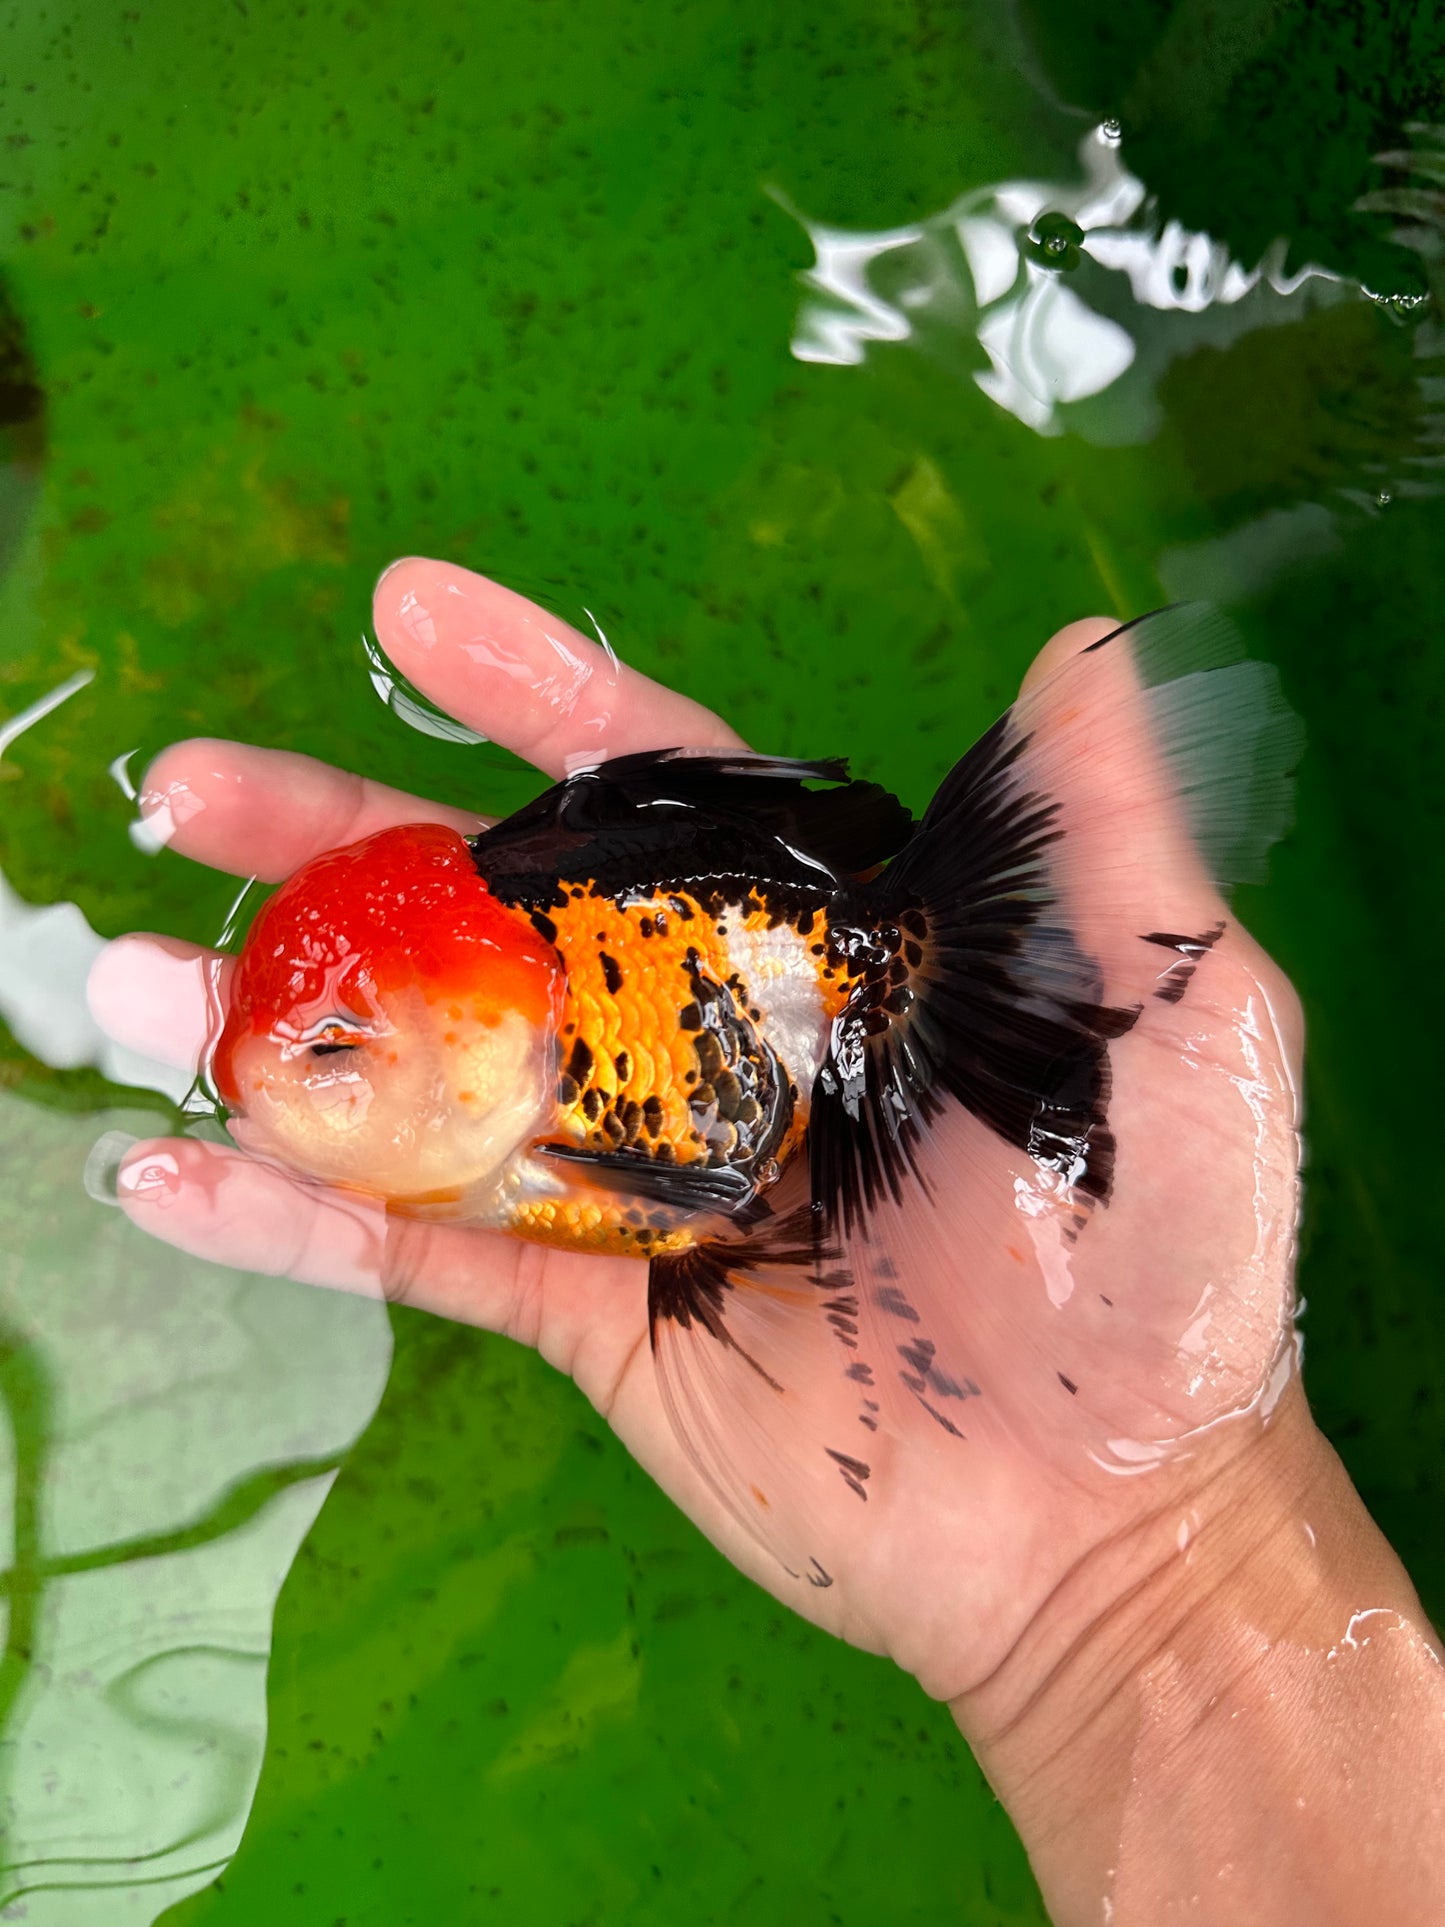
(153, 1177)
(400, 563)
(162, 813)
(101, 1176)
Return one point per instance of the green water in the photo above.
(291, 290)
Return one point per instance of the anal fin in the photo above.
(755, 1341)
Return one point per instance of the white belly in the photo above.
(778, 968)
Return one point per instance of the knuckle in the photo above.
(404, 1259)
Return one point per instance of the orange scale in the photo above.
(643, 1081)
(633, 1016)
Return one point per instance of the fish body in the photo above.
(824, 1067)
(528, 1051)
(693, 1026)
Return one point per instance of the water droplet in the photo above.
(1383, 499)
(1111, 132)
(1054, 241)
(1400, 304)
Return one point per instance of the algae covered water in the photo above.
(826, 360)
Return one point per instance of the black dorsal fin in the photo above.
(666, 815)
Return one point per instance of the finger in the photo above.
(225, 1208)
(1129, 859)
(524, 677)
(164, 999)
(265, 812)
(1126, 850)
(221, 1205)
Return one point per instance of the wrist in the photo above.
(1168, 1697)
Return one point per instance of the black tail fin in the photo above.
(1017, 933)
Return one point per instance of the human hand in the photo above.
(1119, 1392)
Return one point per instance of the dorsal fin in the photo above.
(667, 815)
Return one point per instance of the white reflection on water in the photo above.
(168, 1432)
(46, 951)
(1051, 338)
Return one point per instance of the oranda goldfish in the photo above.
(705, 1009)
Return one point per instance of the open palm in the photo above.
(1112, 1365)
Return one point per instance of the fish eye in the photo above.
(333, 1036)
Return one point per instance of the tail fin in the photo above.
(934, 1290)
(1011, 940)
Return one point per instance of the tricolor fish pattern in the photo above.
(706, 1010)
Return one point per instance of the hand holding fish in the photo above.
(963, 1156)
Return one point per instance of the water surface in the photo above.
(832, 357)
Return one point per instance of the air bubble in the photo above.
(1055, 241)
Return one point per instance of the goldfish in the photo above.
(707, 1010)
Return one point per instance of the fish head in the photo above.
(391, 1026)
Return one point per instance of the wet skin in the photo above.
(1039, 1595)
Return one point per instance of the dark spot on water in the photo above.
(581, 1536)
